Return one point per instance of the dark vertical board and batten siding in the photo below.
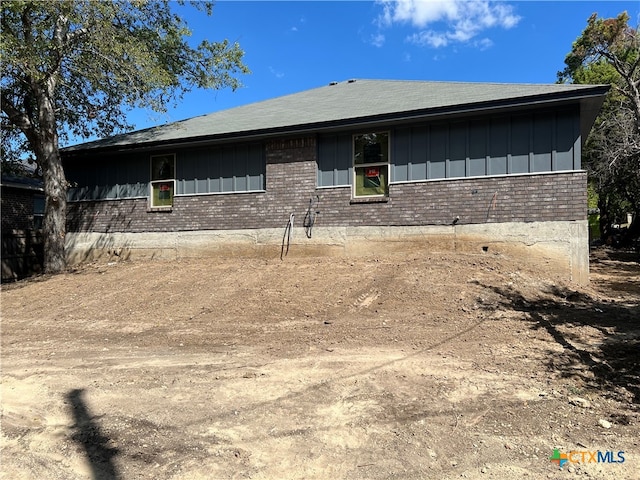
(520, 140)
(500, 145)
(120, 177)
(228, 169)
(336, 152)
(457, 149)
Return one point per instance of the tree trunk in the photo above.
(55, 214)
(55, 184)
(605, 221)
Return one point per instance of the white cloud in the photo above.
(276, 73)
(429, 38)
(377, 40)
(484, 43)
(301, 22)
(419, 12)
(443, 22)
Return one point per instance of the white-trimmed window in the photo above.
(371, 164)
(162, 187)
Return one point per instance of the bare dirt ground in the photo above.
(416, 367)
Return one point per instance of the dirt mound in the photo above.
(422, 366)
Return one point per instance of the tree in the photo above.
(74, 68)
(608, 52)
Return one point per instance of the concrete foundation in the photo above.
(562, 244)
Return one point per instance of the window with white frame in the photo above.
(371, 164)
(163, 183)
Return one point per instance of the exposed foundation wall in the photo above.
(562, 245)
(541, 212)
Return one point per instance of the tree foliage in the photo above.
(608, 52)
(74, 68)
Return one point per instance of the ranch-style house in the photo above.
(354, 167)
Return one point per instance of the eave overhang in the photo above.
(589, 101)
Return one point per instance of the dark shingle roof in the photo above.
(345, 102)
(19, 181)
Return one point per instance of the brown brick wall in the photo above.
(552, 197)
(291, 181)
(22, 247)
(17, 209)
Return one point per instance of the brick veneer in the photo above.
(526, 198)
(22, 246)
(291, 182)
(17, 209)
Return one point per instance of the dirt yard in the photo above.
(415, 367)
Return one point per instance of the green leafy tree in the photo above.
(73, 69)
(608, 52)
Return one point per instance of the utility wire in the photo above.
(286, 238)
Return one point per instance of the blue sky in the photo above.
(291, 46)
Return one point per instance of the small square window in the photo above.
(162, 192)
(371, 180)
